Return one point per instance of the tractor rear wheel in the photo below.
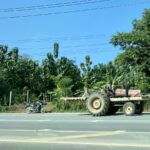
(129, 109)
(98, 104)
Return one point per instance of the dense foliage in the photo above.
(135, 59)
(57, 77)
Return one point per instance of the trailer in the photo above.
(108, 102)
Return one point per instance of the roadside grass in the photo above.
(20, 108)
(50, 107)
(56, 107)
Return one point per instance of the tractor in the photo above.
(109, 101)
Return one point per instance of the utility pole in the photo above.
(10, 98)
(27, 100)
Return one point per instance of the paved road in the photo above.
(74, 131)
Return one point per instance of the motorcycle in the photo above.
(35, 108)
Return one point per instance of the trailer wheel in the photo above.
(129, 109)
(98, 104)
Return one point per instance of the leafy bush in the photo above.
(62, 106)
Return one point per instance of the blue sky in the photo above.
(78, 34)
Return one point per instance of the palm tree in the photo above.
(56, 50)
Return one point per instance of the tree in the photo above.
(56, 50)
(3, 54)
(67, 68)
(4, 87)
(135, 44)
(49, 65)
(15, 54)
(86, 72)
(98, 76)
(64, 87)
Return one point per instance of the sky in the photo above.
(81, 27)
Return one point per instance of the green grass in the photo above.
(58, 106)
(14, 109)
(50, 107)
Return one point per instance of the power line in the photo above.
(68, 47)
(61, 38)
(53, 5)
(85, 37)
(73, 11)
(81, 51)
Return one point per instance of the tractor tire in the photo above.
(129, 109)
(98, 104)
(112, 110)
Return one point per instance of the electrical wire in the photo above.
(72, 46)
(52, 5)
(64, 38)
(73, 11)
(81, 51)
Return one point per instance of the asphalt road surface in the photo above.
(76, 131)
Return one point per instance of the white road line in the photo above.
(24, 120)
(70, 131)
(97, 120)
(57, 131)
(76, 143)
(46, 120)
(47, 130)
(44, 114)
(76, 121)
